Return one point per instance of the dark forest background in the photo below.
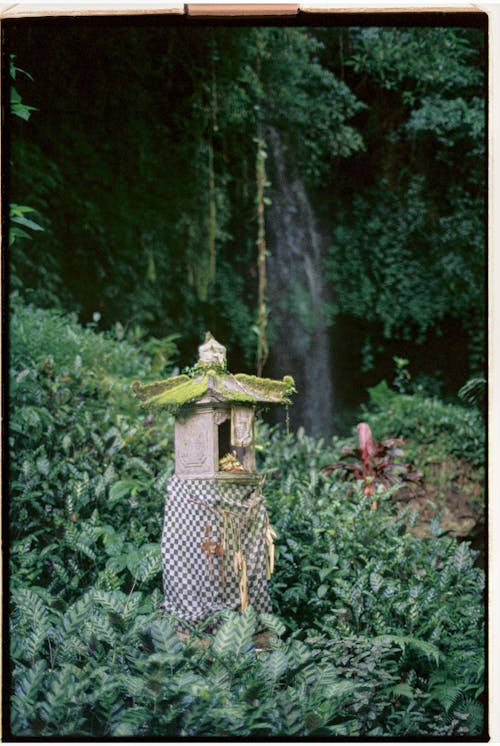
(314, 195)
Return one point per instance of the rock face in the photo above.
(299, 336)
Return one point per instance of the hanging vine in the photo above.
(262, 311)
(200, 227)
(261, 183)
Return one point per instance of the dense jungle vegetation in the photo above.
(140, 185)
(147, 168)
(377, 630)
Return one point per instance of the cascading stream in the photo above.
(298, 329)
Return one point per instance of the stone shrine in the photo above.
(217, 543)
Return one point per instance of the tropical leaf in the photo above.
(234, 638)
(273, 624)
(166, 641)
(276, 665)
(130, 722)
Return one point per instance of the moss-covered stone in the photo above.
(183, 393)
(212, 382)
(267, 389)
(146, 392)
(215, 385)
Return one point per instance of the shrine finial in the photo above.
(212, 352)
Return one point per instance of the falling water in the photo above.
(299, 337)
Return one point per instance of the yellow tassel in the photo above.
(243, 585)
(240, 569)
(270, 536)
(237, 558)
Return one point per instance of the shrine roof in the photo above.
(210, 381)
(214, 384)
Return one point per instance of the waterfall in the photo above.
(298, 330)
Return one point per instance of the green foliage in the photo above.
(402, 376)
(425, 57)
(55, 340)
(474, 392)
(18, 217)
(173, 255)
(157, 224)
(307, 99)
(17, 107)
(449, 121)
(447, 428)
(348, 570)
(374, 632)
(381, 263)
(83, 457)
(20, 226)
(135, 678)
(408, 248)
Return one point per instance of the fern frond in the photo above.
(462, 559)
(130, 722)
(77, 614)
(291, 714)
(70, 647)
(108, 581)
(156, 599)
(62, 694)
(423, 646)
(31, 622)
(447, 694)
(149, 566)
(139, 463)
(131, 606)
(343, 688)
(35, 640)
(326, 676)
(99, 627)
(475, 716)
(28, 604)
(300, 653)
(132, 686)
(113, 601)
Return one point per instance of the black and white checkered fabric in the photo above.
(204, 513)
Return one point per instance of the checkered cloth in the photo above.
(207, 522)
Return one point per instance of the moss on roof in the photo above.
(146, 392)
(174, 396)
(267, 389)
(216, 384)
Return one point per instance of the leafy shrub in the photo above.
(450, 428)
(375, 632)
(54, 340)
(348, 570)
(87, 482)
(374, 462)
(110, 666)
